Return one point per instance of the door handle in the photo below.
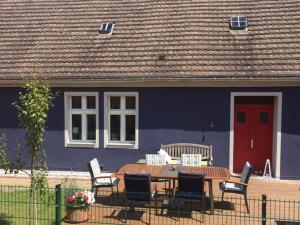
(252, 144)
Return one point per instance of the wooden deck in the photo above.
(285, 189)
(283, 205)
(231, 211)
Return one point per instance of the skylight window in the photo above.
(238, 23)
(106, 28)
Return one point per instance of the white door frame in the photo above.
(276, 151)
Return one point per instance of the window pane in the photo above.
(115, 102)
(243, 24)
(235, 24)
(130, 127)
(91, 102)
(91, 127)
(115, 128)
(76, 127)
(241, 117)
(242, 19)
(130, 102)
(76, 102)
(264, 117)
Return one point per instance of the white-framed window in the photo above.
(81, 119)
(121, 120)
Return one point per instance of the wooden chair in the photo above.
(191, 160)
(101, 179)
(156, 159)
(238, 187)
(139, 190)
(175, 150)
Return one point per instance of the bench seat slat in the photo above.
(176, 149)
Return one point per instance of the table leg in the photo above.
(169, 188)
(211, 196)
(174, 184)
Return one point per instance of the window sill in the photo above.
(120, 145)
(81, 145)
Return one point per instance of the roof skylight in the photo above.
(106, 28)
(238, 23)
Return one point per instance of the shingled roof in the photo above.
(151, 40)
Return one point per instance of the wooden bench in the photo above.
(175, 150)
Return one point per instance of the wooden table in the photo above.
(166, 172)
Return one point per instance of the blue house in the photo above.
(133, 75)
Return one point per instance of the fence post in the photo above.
(264, 210)
(58, 204)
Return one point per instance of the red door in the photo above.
(253, 131)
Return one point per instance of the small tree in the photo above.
(32, 108)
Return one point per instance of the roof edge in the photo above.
(217, 82)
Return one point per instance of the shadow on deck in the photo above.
(110, 209)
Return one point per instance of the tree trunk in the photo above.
(31, 193)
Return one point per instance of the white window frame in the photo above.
(68, 123)
(122, 112)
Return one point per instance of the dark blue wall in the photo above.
(290, 152)
(166, 115)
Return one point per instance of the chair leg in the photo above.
(156, 204)
(165, 186)
(125, 211)
(178, 208)
(222, 198)
(117, 192)
(95, 191)
(150, 214)
(246, 202)
(203, 206)
(112, 192)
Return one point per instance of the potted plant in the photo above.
(77, 206)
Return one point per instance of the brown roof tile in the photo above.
(151, 39)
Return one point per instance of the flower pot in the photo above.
(77, 214)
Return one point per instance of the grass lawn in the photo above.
(15, 206)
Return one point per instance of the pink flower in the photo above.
(80, 199)
(70, 199)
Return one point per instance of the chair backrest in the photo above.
(94, 168)
(191, 182)
(155, 159)
(190, 159)
(177, 149)
(138, 186)
(245, 176)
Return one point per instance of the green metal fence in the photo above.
(17, 208)
(49, 209)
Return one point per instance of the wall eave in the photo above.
(164, 83)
